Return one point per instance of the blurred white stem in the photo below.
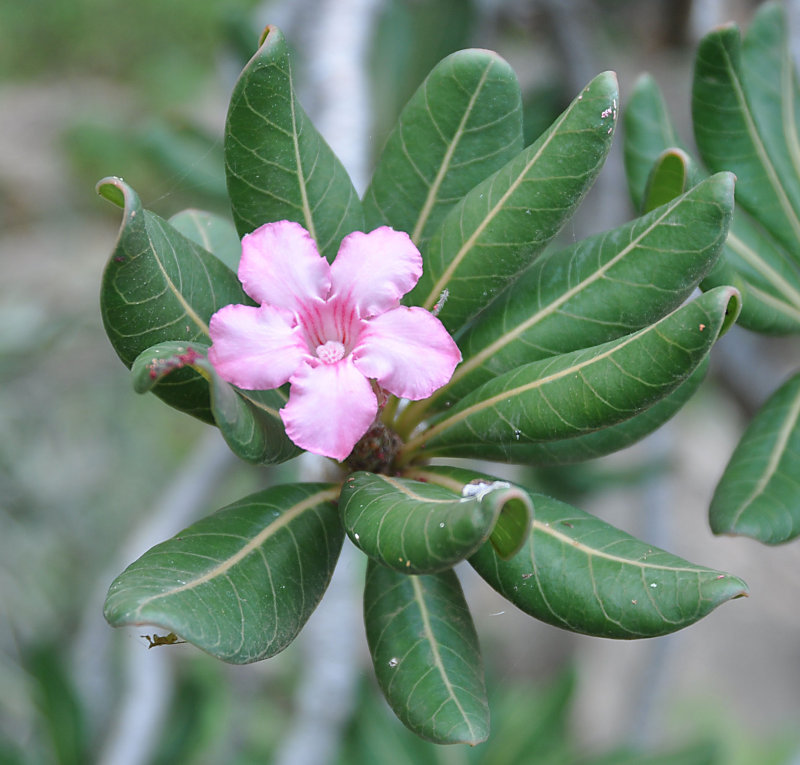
(338, 46)
(146, 675)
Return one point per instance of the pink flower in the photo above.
(330, 330)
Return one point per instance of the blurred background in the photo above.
(91, 474)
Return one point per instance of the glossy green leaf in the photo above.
(582, 574)
(753, 261)
(212, 232)
(759, 493)
(249, 420)
(619, 436)
(649, 131)
(500, 226)
(761, 270)
(669, 178)
(241, 583)
(426, 655)
(160, 286)
(278, 166)
(577, 393)
(463, 123)
(420, 529)
(750, 96)
(597, 290)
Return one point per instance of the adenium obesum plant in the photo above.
(352, 351)
(336, 333)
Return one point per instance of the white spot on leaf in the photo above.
(479, 489)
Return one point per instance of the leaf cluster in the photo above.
(568, 354)
(745, 102)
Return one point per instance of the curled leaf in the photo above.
(415, 527)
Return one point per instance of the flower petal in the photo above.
(373, 271)
(330, 407)
(281, 266)
(255, 348)
(408, 351)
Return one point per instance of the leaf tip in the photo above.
(729, 587)
(644, 82)
(732, 310)
(114, 189)
(513, 526)
(605, 84)
(270, 31)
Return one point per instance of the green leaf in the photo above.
(762, 271)
(462, 124)
(619, 436)
(278, 166)
(160, 286)
(249, 420)
(416, 528)
(750, 93)
(500, 226)
(669, 178)
(750, 97)
(759, 492)
(241, 583)
(580, 573)
(649, 131)
(212, 233)
(752, 261)
(426, 654)
(597, 290)
(577, 393)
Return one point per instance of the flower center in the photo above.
(330, 352)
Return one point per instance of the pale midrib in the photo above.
(301, 181)
(787, 108)
(769, 168)
(774, 303)
(774, 457)
(327, 495)
(513, 334)
(451, 483)
(508, 394)
(202, 231)
(592, 552)
(259, 405)
(190, 312)
(437, 289)
(773, 277)
(413, 495)
(433, 191)
(437, 658)
(444, 481)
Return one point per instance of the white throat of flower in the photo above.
(330, 352)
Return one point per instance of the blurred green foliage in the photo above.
(166, 55)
